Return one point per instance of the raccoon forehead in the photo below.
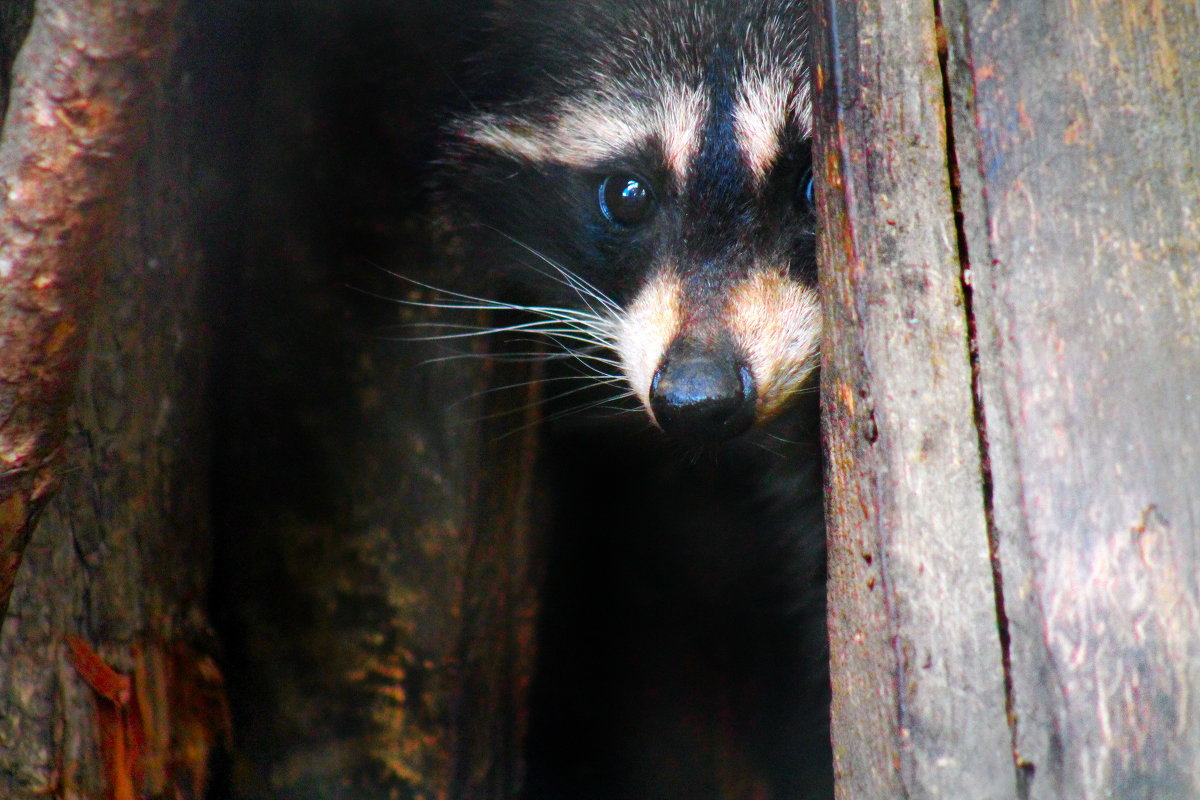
(766, 105)
(584, 133)
(587, 132)
(775, 90)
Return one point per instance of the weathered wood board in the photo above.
(1020, 202)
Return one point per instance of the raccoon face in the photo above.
(655, 154)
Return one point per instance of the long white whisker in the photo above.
(547, 328)
(476, 303)
(493, 389)
(531, 356)
(586, 361)
(566, 412)
(569, 278)
(579, 334)
(496, 305)
(595, 365)
(573, 282)
(570, 352)
(553, 398)
(528, 327)
(546, 317)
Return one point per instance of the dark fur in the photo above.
(682, 641)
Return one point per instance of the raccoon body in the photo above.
(635, 176)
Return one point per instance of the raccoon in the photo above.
(635, 176)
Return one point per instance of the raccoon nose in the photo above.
(702, 396)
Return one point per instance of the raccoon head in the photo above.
(656, 152)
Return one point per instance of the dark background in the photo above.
(316, 122)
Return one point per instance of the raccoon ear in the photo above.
(625, 200)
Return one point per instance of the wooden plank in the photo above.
(919, 701)
(1076, 129)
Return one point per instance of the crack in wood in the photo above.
(1024, 770)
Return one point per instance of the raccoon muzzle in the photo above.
(702, 393)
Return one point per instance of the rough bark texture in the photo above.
(1040, 228)
(15, 17)
(109, 686)
(76, 111)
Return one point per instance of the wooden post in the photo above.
(1011, 191)
(918, 679)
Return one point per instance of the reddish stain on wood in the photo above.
(120, 737)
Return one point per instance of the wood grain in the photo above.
(918, 680)
(1077, 134)
(1023, 208)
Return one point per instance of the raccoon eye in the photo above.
(625, 200)
(804, 191)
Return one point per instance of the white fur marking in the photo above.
(759, 118)
(584, 134)
(511, 136)
(777, 322)
(646, 330)
(801, 108)
(680, 123)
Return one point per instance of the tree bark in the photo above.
(76, 113)
(109, 686)
(1009, 193)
